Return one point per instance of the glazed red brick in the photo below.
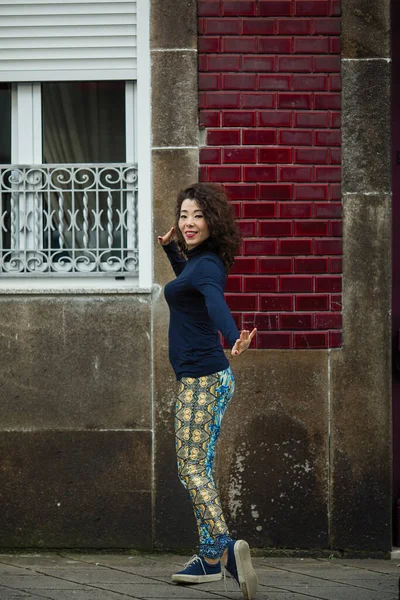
(260, 100)
(311, 119)
(269, 98)
(311, 156)
(239, 45)
(244, 265)
(296, 101)
(315, 83)
(262, 321)
(295, 64)
(296, 247)
(259, 209)
(274, 82)
(210, 155)
(241, 192)
(275, 192)
(276, 228)
(336, 302)
(317, 8)
(294, 26)
(273, 303)
(260, 284)
(274, 340)
(239, 8)
(311, 192)
(260, 247)
(295, 210)
(311, 228)
(274, 45)
(258, 137)
(242, 301)
(275, 8)
(313, 303)
(247, 228)
(262, 173)
(311, 265)
(257, 26)
(328, 284)
(310, 45)
(328, 321)
(276, 118)
(233, 284)
(275, 155)
(223, 137)
(258, 63)
(335, 265)
(239, 155)
(208, 9)
(296, 283)
(239, 119)
(335, 339)
(297, 321)
(291, 137)
(276, 265)
(310, 340)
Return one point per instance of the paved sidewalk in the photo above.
(71, 576)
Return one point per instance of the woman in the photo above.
(207, 239)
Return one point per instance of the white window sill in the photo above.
(71, 287)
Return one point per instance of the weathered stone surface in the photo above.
(174, 98)
(173, 170)
(361, 374)
(272, 457)
(173, 24)
(365, 28)
(75, 489)
(75, 363)
(366, 127)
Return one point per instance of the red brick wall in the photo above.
(269, 80)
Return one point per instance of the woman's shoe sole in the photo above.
(248, 579)
(195, 578)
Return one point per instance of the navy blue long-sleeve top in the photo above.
(198, 311)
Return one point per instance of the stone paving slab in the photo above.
(74, 576)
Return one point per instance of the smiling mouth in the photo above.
(190, 234)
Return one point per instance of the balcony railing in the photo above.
(68, 220)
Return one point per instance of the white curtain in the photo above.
(83, 122)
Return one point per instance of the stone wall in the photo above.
(87, 393)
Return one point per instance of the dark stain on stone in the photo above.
(75, 489)
(361, 507)
(273, 488)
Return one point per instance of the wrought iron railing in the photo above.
(68, 220)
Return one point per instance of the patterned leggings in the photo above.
(200, 406)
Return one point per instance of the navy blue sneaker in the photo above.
(239, 565)
(198, 570)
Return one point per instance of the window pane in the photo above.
(84, 122)
(5, 123)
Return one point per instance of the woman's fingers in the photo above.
(163, 240)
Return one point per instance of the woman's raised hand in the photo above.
(163, 240)
(243, 342)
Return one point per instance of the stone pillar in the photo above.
(360, 372)
(175, 165)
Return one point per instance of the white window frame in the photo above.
(27, 149)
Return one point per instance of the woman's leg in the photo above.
(200, 406)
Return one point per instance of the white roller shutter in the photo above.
(62, 40)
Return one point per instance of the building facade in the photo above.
(260, 96)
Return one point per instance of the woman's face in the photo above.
(192, 224)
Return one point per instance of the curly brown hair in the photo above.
(224, 232)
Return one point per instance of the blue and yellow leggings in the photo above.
(200, 406)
